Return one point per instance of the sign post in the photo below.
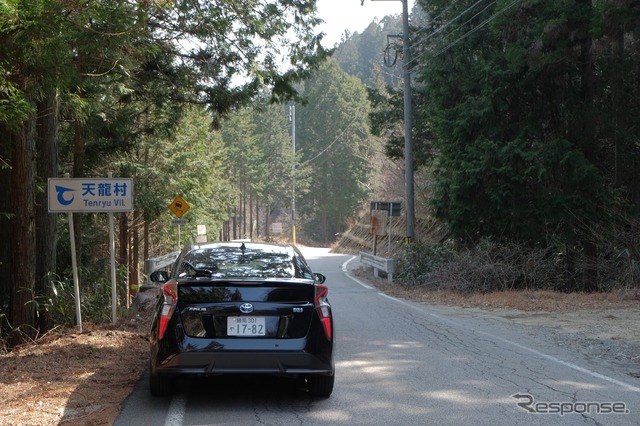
(74, 268)
(390, 209)
(114, 285)
(179, 207)
(80, 195)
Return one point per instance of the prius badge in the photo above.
(246, 308)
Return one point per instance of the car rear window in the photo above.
(243, 262)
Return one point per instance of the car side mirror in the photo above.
(319, 278)
(159, 276)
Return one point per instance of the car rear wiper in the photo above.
(199, 272)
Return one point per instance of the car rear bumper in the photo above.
(196, 356)
(257, 362)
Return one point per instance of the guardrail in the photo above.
(160, 262)
(156, 263)
(378, 264)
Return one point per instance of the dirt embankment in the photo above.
(72, 378)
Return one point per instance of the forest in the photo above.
(138, 89)
(525, 138)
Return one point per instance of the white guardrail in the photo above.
(377, 263)
(156, 263)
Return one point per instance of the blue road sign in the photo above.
(90, 195)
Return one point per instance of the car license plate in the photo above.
(245, 326)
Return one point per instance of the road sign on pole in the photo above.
(86, 195)
(82, 195)
(179, 207)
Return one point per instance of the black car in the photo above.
(242, 308)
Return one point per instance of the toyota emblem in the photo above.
(246, 308)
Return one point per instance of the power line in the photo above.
(437, 17)
(482, 24)
(337, 138)
(440, 29)
(471, 31)
(443, 27)
(414, 61)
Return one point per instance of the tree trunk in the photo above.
(257, 219)
(570, 282)
(590, 275)
(23, 251)
(6, 223)
(46, 223)
(146, 240)
(131, 267)
(587, 136)
(267, 222)
(124, 246)
(234, 223)
(79, 142)
(634, 164)
(324, 216)
(135, 251)
(251, 216)
(617, 60)
(243, 210)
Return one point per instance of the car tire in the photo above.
(320, 385)
(161, 385)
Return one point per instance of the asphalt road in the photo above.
(404, 363)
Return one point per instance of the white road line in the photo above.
(570, 365)
(526, 348)
(346, 272)
(175, 415)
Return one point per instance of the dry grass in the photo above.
(525, 300)
(72, 378)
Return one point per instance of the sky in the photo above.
(350, 14)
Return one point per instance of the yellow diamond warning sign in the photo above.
(179, 207)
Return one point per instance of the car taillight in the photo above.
(324, 309)
(170, 294)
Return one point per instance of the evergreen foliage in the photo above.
(262, 167)
(118, 75)
(333, 137)
(519, 107)
(524, 110)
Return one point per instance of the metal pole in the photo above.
(293, 199)
(408, 125)
(112, 246)
(74, 267)
(389, 232)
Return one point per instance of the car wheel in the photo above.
(320, 385)
(161, 385)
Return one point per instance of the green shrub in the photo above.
(95, 297)
(416, 261)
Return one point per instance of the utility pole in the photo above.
(408, 125)
(292, 117)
